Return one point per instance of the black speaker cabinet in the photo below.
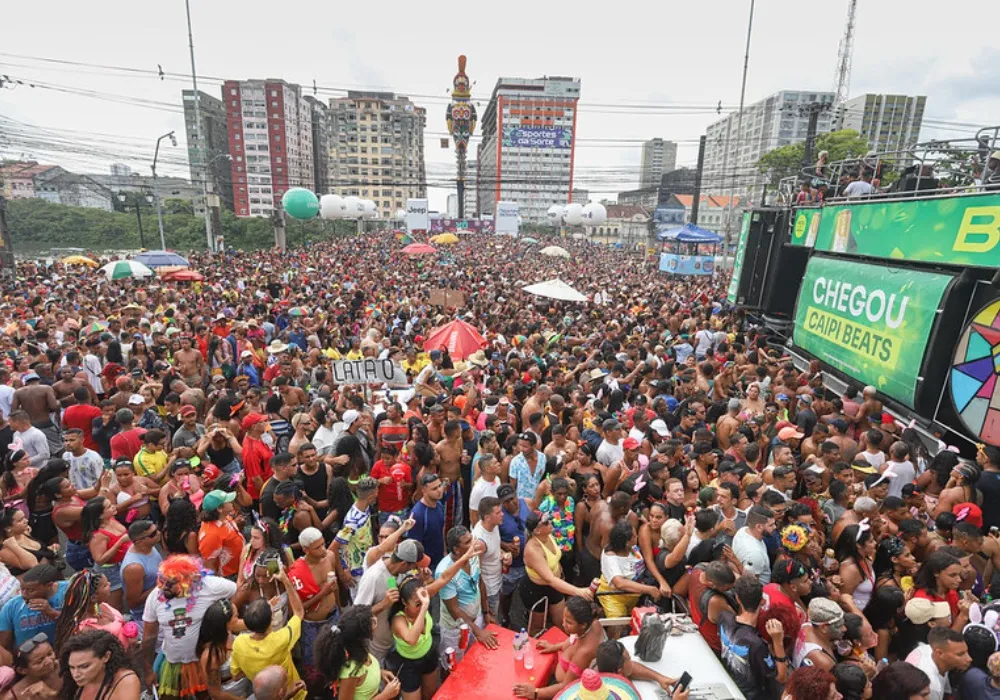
(768, 231)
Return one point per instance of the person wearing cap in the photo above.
(527, 469)
(39, 401)
(256, 456)
(191, 431)
(817, 637)
(219, 540)
(945, 651)
(248, 368)
(378, 588)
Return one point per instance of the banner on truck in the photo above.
(871, 322)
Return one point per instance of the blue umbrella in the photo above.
(161, 258)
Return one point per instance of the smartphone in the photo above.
(682, 683)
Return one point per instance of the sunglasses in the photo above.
(29, 646)
(150, 535)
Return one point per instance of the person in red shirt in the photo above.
(128, 441)
(256, 455)
(395, 483)
(81, 415)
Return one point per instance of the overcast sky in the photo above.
(629, 54)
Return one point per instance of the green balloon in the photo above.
(300, 203)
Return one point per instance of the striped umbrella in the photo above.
(122, 269)
(298, 311)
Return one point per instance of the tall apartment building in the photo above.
(213, 165)
(377, 149)
(527, 146)
(270, 143)
(658, 157)
(888, 122)
(778, 120)
(470, 189)
(320, 115)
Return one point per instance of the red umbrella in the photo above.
(419, 249)
(185, 275)
(458, 337)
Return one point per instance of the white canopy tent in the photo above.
(554, 289)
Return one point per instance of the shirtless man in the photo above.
(293, 396)
(536, 403)
(871, 406)
(728, 424)
(619, 507)
(560, 445)
(189, 363)
(435, 423)
(63, 388)
(38, 401)
(848, 447)
(449, 452)
(319, 595)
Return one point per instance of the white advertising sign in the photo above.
(417, 215)
(506, 218)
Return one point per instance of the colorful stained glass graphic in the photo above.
(974, 387)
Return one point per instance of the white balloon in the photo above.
(400, 215)
(573, 214)
(332, 206)
(369, 210)
(353, 208)
(594, 213)
(554, 214)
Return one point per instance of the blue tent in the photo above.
(688, 233)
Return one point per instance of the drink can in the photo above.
(517, 542)
(331, 577)
(463, 636)
(449, 655)
(505, 565)
(594, 585)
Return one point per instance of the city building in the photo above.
(580, 196)
(777, 120)
(888, 122)
(167, 187)
(528, 140)
(75, 190)
(270, 143)
(470, 189)
(626, 223)
(679, 181)
(123, 170)
(377, 149)
(21, 179)
(713, 212)
(208, 160)
(658, 157)
(320, 115)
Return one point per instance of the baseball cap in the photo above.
(186, 410)
(246, 353)
(920, 611)
(349, 417)
(786, 434)
(660, 427)
(411, 552)
(214, 499)
(630, 444)
(29, 376)
(491, 404)
(782, 397)
(211, 472)
(611, 424)
(136, 400)
(505, 491)
(252, 419)
(862, 466)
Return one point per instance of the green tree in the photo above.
(37, 225)
(786, 161)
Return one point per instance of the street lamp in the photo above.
(138, 215)
(156, 193)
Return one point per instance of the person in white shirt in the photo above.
(487, 530)
(704, 340)
(902, 467)
(33, 440)
(6, 393)
(862, 187)
(611, 450)
(93, 365)
(485, 486)
(944, 651)
(748, 544)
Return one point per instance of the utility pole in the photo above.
(156, 191)
(695, 205)
(278, 219)
(8, 268)
(813, 110)
(197, 125)
(739, 135)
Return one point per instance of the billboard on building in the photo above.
(537, 137)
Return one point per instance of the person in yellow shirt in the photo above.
(254, 652)
(151, 459)
(415, 362)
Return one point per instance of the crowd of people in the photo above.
(193, 504)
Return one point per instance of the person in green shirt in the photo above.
(342, 656)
